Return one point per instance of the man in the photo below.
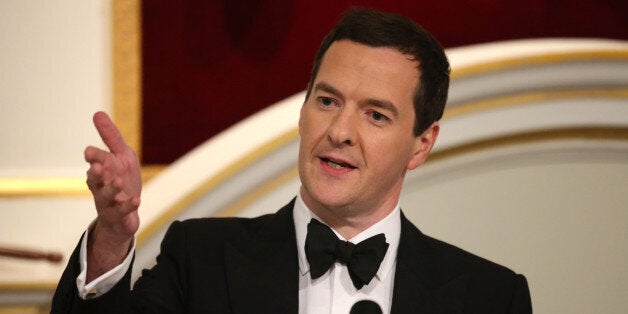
(378, 88)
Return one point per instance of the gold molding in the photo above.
(542, 59)
(29, 286)
(127, 71)
(41, 187)
(525, 98)
(25, 309)
(586, 133)
(58, 187)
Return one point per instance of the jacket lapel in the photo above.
(262, 268)
(262, 271)
(424, 282)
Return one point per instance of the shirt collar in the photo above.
(389, 226)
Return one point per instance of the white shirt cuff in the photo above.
(106, 281)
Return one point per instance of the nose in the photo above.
(342, 130)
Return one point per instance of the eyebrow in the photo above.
(322, 86)
(382, 104)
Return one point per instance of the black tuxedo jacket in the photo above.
(237, 265)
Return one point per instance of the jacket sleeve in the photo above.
(159, 290)
(67, 300)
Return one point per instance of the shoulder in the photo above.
(200, 240)
(461, 260)
(208, 231)
(447, 260)
(216, 229)
(435, 264)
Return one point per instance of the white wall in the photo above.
(55, 73)
(55, 61)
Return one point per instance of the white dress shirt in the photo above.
(332, 293)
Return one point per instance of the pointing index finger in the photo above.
(109, 133)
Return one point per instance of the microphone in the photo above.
(365, 307)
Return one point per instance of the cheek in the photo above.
(305, 118)
(310, 128)
(305, 132)
(390, 153)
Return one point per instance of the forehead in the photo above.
(370, 72)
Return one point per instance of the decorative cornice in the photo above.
(541, 59)
(57, 187)
(526, 98)
(586, 133)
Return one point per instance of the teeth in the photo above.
(334, 165)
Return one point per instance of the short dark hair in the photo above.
(379, 29)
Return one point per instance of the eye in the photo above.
(378, 116)
(326, 101)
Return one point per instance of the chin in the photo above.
(327, 198)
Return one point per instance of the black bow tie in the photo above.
(323, 248)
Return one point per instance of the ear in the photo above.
(423, 145)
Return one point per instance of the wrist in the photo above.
(105, 251)
(109, 237)
(106, 247)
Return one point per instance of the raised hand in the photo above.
(115, 182)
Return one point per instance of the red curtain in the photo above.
(209, 64)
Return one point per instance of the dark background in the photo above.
(209, 64)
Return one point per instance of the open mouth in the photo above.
(337, 164)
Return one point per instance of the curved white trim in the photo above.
(460, 57)
(216, 154)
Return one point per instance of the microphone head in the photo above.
(365, 307)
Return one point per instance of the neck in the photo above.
(349, 221)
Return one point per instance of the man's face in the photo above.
(356, 131)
